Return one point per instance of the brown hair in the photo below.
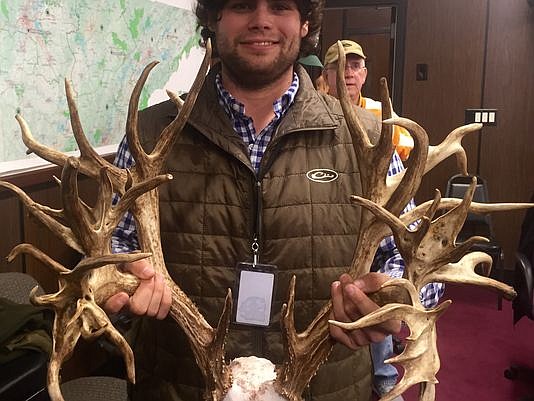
(310, 10)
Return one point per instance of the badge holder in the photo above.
(254, 291)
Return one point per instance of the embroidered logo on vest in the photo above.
(322, 175)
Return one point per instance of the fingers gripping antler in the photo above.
(89, 232)
(207, 342)
(420, 358)
(83, 317)
(386, 198)
(374, 161)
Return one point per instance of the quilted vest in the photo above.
(209, 215)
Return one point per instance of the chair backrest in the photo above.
(523, 303)
(17, 287)
(526, 238)
(95, 388)
(475, 224)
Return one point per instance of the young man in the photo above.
(240, 177)
(355, 76)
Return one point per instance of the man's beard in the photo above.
(255, 76)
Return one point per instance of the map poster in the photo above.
(101, 47)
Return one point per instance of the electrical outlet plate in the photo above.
(484, 116)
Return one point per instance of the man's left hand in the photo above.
(350, 302)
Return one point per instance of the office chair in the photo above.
(24, 379)
(478, 224)
(523, 305)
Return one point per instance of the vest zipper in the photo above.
(260, 333)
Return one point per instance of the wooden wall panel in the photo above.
(507, 151)
(332, 29)
(449, 37)
(371, 28)
(40, 236)
(11, 232)
(468, 69)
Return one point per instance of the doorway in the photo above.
(379, 27)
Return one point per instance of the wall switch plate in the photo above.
(484, 116)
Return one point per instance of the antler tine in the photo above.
(452, 144)
(132, 132)
(474, 207)
(94, 262)
(49, 154)
(411, 179)
(147, 164)
(175, 99)
(463, 272)
(373, 167)
(169, 134)
(78, 216)
(91, 161)
(37, 254)
(132, 194)
(305, 351)
(61, 352)
(359, 135)
(385, 144)
(47, 216)
(75, 123)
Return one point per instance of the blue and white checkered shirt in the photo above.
(387, 256)
(243, 124)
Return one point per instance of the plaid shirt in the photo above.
(243, 124)
(387, 256)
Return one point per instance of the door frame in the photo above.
(400, 39)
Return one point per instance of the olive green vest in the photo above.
(209, 215)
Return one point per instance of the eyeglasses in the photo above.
(354, 66)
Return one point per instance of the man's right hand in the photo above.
(152, 297)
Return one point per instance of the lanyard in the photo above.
(257, 226)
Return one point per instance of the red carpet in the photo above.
(477, 342)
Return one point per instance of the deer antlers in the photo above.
(429, 251)
(88, 230)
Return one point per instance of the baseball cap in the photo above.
(349, 46)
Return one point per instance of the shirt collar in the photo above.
(236, 110)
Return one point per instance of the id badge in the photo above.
(255, 289)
